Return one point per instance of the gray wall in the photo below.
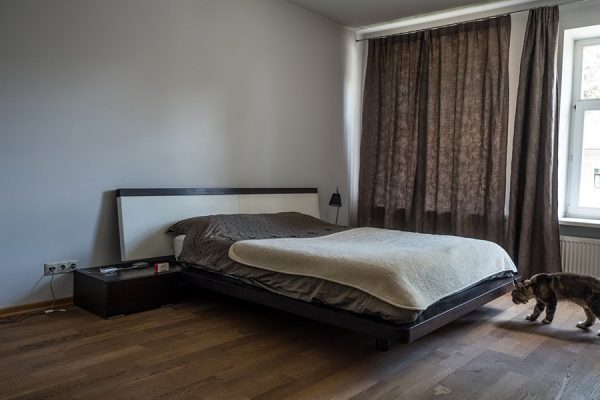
(96, 95)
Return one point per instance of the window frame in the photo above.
(578, 108)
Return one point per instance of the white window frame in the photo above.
(578, 108)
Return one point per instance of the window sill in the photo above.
(590, 223)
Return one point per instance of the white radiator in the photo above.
(580, 255)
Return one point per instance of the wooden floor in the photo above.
(220, 348)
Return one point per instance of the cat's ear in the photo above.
(518, 283)
(527, 283)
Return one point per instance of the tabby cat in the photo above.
(548, 288)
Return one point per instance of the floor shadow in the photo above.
(105, 246)
(573, 334)
(330, 341)
(479, 316)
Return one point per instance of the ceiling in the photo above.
(355, 13)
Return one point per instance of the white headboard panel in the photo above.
(146, 214)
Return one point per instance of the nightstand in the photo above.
(124, 292)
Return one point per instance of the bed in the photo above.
(230, 241)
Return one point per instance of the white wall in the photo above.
(355, 61)
(97, 95)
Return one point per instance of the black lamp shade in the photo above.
(336, 200)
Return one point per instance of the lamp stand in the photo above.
(337, 214)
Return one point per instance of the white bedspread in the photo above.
(405, 269)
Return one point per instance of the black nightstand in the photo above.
(124, 292)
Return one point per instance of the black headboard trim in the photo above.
(209, 191)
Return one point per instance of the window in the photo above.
(584, 148)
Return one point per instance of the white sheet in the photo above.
(178, 245)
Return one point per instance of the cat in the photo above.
(548, 288)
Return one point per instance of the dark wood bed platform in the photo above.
(436, 316)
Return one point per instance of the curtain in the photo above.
(433, 145)
(533, 237)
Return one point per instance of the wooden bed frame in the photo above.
(436, 316)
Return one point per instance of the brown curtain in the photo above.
(433, 147)
(533, 238)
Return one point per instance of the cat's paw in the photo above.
(546, 321)
(582, 325)
(531, 317)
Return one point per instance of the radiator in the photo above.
(580, 255)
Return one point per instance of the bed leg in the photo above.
(383, 344)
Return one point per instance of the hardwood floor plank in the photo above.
(213, 347)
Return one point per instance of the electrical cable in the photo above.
(47, 310)
(51, 309)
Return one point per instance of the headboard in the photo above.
(146, 214)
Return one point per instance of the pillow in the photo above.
(185, 226)
(253, 226)
(208, 238)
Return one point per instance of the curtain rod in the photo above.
(464, 22)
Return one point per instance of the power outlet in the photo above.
(72, 265)
(60, 267)
(50, 268)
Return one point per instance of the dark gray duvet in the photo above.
(207, 243)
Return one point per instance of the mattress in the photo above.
(404, 269)
(208, 239)
(305, 288)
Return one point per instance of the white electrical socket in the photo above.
(60, 267)
(50, 268)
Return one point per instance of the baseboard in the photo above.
(25, 308)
